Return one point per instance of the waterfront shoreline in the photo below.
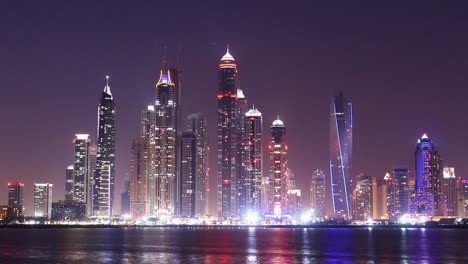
(60, 226)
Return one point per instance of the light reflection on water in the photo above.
(232, 245)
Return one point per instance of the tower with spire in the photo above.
(278, 165)
(165, 135)
(227, 137)
(104, 176)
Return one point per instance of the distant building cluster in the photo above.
(169, 169)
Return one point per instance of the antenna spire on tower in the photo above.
(164, 57)
(179, 54)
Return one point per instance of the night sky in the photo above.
(404, 67)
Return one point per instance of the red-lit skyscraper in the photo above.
(252, 163)
(278, 165)
(227, 136)
(15, 194)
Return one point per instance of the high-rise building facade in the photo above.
(464, 191)
(362, 198)
(15, 196)
(148, 132)
(317, 194)
(227, 137)
(449, 191)
(69, 183)
(68, 211)
(379, 200)
(428, 177)
(390, 190)
(294, 205)
(166, 129)
(104, 176)
(253, 161)
(43, 200)
(292, 199)
(278, 164)
(139, 178)
(401, 191)
(240, 201)
(125, 198)
(341, 143)
(82, 168)
(196, 124)
(188, 153)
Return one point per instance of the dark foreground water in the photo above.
(233, 245)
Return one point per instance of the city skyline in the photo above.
(304, 159)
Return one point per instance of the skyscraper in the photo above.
(148, 132)
(43, 200)
(166, 129)
(464, 187)
(449, 191)
(317, 194)
(81, 173)
(402, 195)
(253, 161)
(428, 174)
(391, 198)
(278, 164)
(125, 198)
(187, 174)
(362, 198)
(292, 199)
(139, 178)
(69, 183)
(227, 136)
(379, 199)
(341, 143)
(104, 176)
(196, 124)
(240, 201)
(15, 196)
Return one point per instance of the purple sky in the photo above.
(404, 67)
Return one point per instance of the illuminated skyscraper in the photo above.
(43, 200)
(401, 191)
(341, 144)
(82, 169)
(240, 202)
(362, 198)
(464, 190)
(104, 175)
(166, 129)
(317, 194)
(139, 178)
(391, 198)
(379, 200)
(227, 136)
(148, 132)
(69, 183)
(188, 151)
(15, 195)
(278, 164)
(253, 161)
(449, 191)
(291, 202)
(196, 124)
(428, 178)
